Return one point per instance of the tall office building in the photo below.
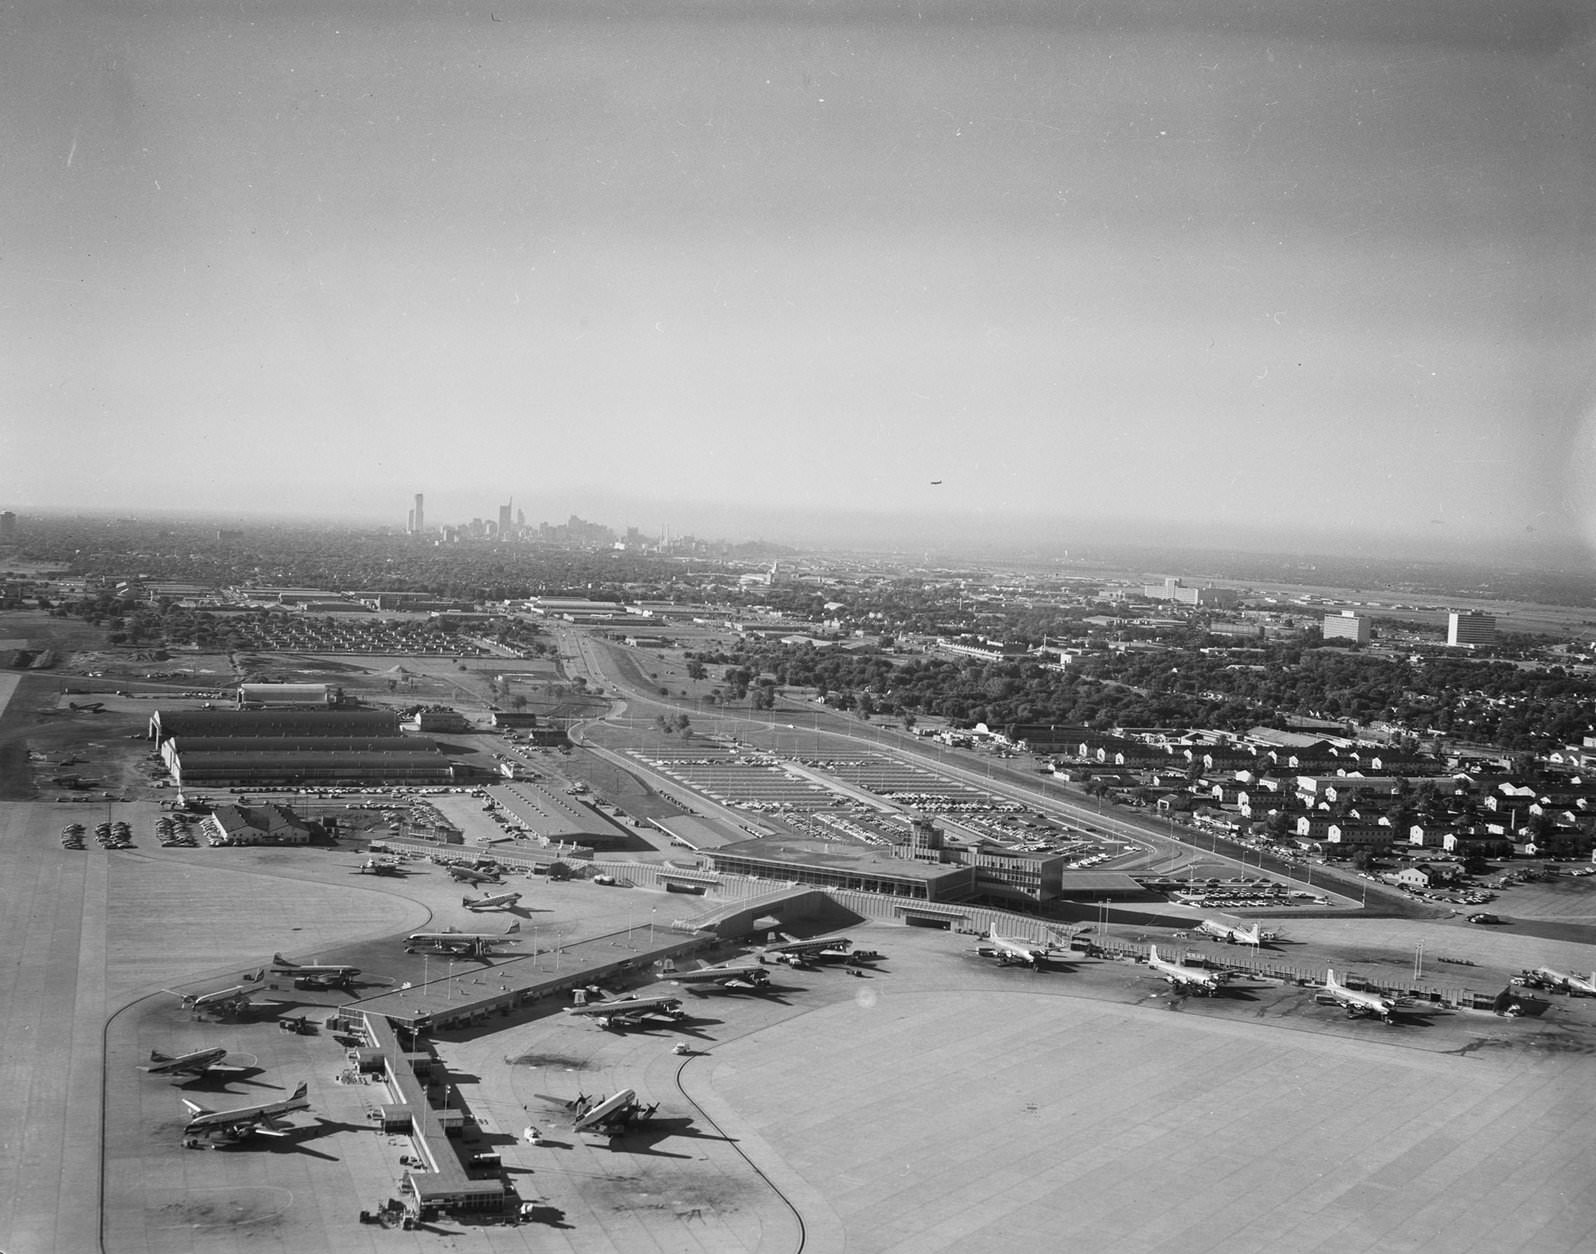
(504, 522)
(8, 525)
(1346, 626)
(418, 522)
(1470, 629)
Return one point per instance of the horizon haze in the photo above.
(1182, 270)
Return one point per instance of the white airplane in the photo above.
(504, 901)
(244, 1119)
(467, 875)
(196, 1063)
(1355, 1002)
(222, 1000)
(741, 977)
(314, 975)
(796, 952)
(380, 866)
(1182, 978)
(1231, 934)
(629, 1012)
(612, 1116)
(1010, 952)
(450, 941)
(1573, 985)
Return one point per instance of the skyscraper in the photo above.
(417, 519)
(1470, 628)
(504, 522)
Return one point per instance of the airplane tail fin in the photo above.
(513, 928)
(281, 961)
(465, 901)
(1330, 979)
(157, 1056)
(304, 1087)
(1152, 953)
(257, 977)
(194, 1108)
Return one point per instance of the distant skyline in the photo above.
(1194, 271)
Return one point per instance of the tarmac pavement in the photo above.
(938, 1103)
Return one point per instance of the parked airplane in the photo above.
(1356, 1002)
(1010, 952)
(380, 866)
(611, 1116)
(503, 901)
(196, 1063)
(450, 941)
(1573, 985)
(231, 1000)
(243, 1120)
(742, 977)
(1183, 978)
(796, 952)
(467, 875)
(88, 707)
(314, 975)
(629, 1012)
(1231, 934)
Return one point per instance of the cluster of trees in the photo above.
(1496, 703)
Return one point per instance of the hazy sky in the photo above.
(1201, 261)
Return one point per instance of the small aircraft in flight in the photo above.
(243, 1120)
(1356, 1002)
(1573, 985)
(729, 978)
(452, 942)
(629, 1012)
(504, 901)
(1231, 934)
(797, 953)
(196, 1063)
(232, 1000)
(1183, 978)
(314, 975)
(1010, 952)
(470, 875)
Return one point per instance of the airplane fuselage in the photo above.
(1182, 977)
(242, 1119)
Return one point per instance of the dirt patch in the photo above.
(561, 1061)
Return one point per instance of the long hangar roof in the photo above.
(186, 745)
(363, 724)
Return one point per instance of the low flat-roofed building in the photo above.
(829, 864)
(694, 832)
(445, 1184)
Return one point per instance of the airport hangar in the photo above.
(295, 748)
